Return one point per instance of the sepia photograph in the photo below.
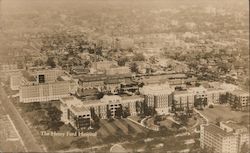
(124, 76)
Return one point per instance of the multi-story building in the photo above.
(113, 86)
(103, 65)
(199, 92)
(95, 81)
(46, 92)
(79, 70)
(103, 82)
(239, 99)
(127, 102)
(158, 97)
(35, 88)
(229, 137)
(108, 106)
(182, 100)
(200, 96)
(74, 113)
(118, 70)
(213, 95)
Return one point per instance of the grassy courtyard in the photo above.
(223, 113)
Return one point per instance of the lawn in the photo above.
(222, 113)
(167, 123)
(110, 128)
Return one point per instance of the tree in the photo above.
(197, 84)
(31, 106)
(151, 111)
(139, 57)
(51, 62)
(109, 113)
(122, 61)
(211, 106)
(139, 108)
(189, 111)
(244, 148)
(223, 99)
(184, 119)
(200, 103)
(87, 64)
(134, 68)
(218, 120)
(98, 51)
(234, 104)
(100, 95)
(38, 62)
(145, 109)
(119, 112)
(54, 121)
(126, 112)
(174, 106)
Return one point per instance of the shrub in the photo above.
(211, 106)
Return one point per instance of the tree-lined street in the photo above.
(24, 131)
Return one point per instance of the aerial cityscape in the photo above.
(116, 76)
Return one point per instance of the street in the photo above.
(25, 133)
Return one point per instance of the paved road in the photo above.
(27, 137)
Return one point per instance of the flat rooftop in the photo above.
(155, 89)
(181, 92)
(131, 97)
(80, 109)
(216, 130)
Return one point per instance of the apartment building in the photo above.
(158, 97)
(239, 99)
(182, 100)
(229, 137)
